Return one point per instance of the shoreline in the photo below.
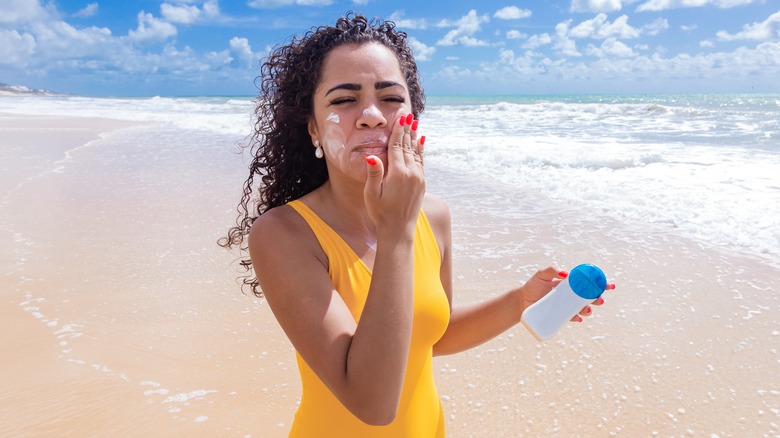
(116, 259)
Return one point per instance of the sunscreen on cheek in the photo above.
(334, 143)
(333, 117)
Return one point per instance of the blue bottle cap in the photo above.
(587, 281)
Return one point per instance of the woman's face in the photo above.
(362, 92)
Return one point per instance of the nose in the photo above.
(371, 118)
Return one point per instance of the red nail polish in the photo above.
(414, 125)
(563, 274)
(421, 141)
(402, 121)
(371, 161)
(588, 310)
(610, 286)
(600, 301)
(409, 119)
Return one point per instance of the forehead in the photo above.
(360, 63)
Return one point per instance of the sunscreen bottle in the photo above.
(547, 316)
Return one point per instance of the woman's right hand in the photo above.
(393, 196)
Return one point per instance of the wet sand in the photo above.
(121, 316)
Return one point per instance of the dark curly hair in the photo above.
(281, 144)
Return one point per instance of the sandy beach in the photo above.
(122, 317)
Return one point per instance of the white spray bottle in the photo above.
(547, 316)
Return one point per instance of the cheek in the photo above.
(334, 141)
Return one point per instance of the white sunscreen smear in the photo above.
(333, 117)
(372, 112)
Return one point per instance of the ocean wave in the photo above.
(701, 166)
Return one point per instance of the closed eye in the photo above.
(399, 99)
(341, 100)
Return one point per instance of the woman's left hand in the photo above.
(545, 280)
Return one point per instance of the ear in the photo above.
(313, 132)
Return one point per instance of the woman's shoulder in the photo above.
(438, 214)
(276, 227)
(435, 209)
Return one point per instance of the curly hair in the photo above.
(281, 144)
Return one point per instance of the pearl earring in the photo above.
(318, 151)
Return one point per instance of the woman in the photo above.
(351, 254)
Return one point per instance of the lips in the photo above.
(371, 149)
(371, 143)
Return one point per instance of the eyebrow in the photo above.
(357, 87)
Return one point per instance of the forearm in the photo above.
(478, 323)
(378, 353)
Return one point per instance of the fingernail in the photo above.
(563, 274)
(409, 119)
(402, 121)
(371, 161)
(421, 141)
(588, 310)
(414, 125)
(579, 319)
(610, 286)
(600, 301)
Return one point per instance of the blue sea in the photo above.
(700, 166)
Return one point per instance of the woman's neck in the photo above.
(343, 206)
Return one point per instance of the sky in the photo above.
(489, 47)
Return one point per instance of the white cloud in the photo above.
(536, 41)
(16, 49)
(421, 51)
(453, 74)
(600, 28)
(689, 27)
(211, 8)
(88, 11)
(314, 2)
(524, 67)
(397, 17)
(465, 28)
(617, 64)
(661, 5)
(763, 31)
(612, 48)
(563, 44)
(151, 29)
(270, 4)
(656, 27)
(21, 11)
(469, 41)
(183, 14)
(189, 14)
(241, 48)
(595, 5)
(42, 46)
(706, 44)
(515, 35)
(512, 13)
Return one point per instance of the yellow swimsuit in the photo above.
(419, 412)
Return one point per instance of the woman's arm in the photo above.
(478, 323)
(362, 364)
